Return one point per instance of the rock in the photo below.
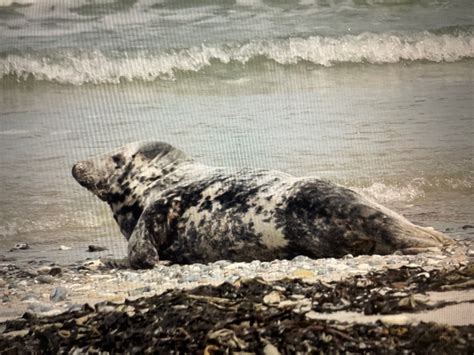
(95, 248)
(397, 319)
(272, 298)
(39, 307)
(270, 349)
(192, 278)
(58, 294)
(139, 291)
(130, 276)
(75, 308)
(55, 271)
(470, 253)
(31, 272)
(43, 270)
(64, 247)
(93, 265)
(23, 283)
(20, 246)
(467, 226)
(45, 279)
(363, 266)
(302, 274)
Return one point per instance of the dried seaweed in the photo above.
(241, 317)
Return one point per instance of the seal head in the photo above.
(124, 177)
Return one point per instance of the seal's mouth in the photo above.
(83, 173)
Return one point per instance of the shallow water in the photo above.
(357, 92)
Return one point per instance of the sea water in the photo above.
(376, 95)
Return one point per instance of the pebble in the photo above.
(58, 294)
(270, 349)
(130, 276)
(43, 270)
(20, 246)
(139, 291)
(192, 278)
(29, 297)
(23, 283)
(54, 271)
(30, 272)
(92, 265)
(39, 307)
(75, 307)
(470, 253)
(45, 279)
(272, 298)
(363, 266)
(95, 248)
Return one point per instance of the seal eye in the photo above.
(119, 160)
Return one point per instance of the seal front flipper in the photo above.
(114, 263)
(142, 251)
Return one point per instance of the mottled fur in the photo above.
(173, 208)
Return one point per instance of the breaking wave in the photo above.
(96, 67)
(393, 192)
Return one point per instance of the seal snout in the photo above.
(81, 172)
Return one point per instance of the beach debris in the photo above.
(241, 318)
(95, 248)
(20, 246)
(64, 247)
(58, 294)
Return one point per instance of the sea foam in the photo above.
(80, 66)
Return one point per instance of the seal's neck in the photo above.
(130, 191)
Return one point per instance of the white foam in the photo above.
(383, 193)
(19, 2)
(406, 192)
(73, 67)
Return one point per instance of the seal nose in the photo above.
(80, 171)
(75, 172)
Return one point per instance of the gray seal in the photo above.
(170, 207)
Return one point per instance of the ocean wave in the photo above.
(80, 66)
